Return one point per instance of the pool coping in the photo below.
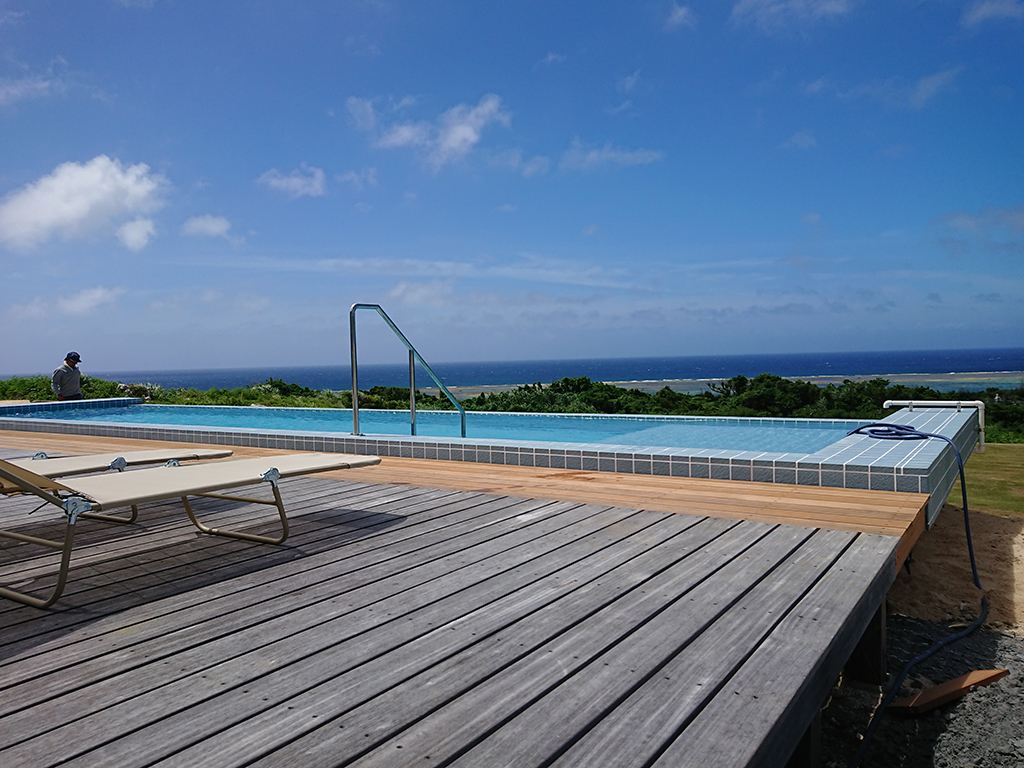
(855, 461)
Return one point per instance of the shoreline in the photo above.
(939, 381)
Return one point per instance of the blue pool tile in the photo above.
(808, 476)
(785, 475)
(831, 478)
(764, 474)
(741, 471)
(857, 480)
(882, 481)
(908, 483)
(680, 468)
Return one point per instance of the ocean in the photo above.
(994, 368)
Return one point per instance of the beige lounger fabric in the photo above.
(125, 488)
(62, 466)
(87, 495)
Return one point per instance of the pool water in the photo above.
(767, 435)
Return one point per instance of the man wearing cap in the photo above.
(67, 380)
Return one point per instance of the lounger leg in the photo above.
(62, 574)
(112, 518)
(277, 502)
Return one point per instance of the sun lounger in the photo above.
(92, 494)
(64, 466)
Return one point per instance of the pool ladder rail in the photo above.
(414, 357)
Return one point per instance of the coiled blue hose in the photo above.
(885, 431)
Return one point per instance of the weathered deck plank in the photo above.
(400, 623)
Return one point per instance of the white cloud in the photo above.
(985, 10)
(87, 301)
(582, 157)
(206, 226)
(30, 87)
(899, 95)
(1007, 218)
(460, 127)
(447, 140)
(553, 58)
(302, 182)
(926, 88)
(817, 86)
(803, 139)
(362, 113)
(436, 293)
(774, 14)
(628, 83)
(996, 230)
(10, 17)
(506, 208)
(360, 179)
(536, 166)
(78, 199)
(680, 16)
(135, 235)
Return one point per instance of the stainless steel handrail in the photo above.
(414, 357)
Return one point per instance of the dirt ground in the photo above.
(939, 586)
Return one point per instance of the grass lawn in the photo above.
(995, 481)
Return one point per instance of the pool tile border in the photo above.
(855, 461)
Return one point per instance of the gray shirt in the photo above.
(67, 381)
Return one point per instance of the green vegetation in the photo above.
(762, 395)
(995, 483)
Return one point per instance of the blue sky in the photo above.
(189, 184)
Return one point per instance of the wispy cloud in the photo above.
(359, 180)
(448, 139)
(433, 293)
(772, 15)
(79, 304)
(988, 10)
(54, 81)
(680, 16)
(995, 230)
(628, 83)
(898, 94)
(803, 139)
(88, 301)
(208, 225)
(304, 181)
(580, 156)
(925, 89)
(80, 199)
(553, 58)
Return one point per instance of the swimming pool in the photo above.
(768, 435)
(732, 449)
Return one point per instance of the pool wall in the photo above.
(918, 466)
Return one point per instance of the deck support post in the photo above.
(867, 662)
(808, 752)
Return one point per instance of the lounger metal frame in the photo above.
(75, 506)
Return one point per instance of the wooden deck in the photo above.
(411, 621)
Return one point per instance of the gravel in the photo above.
(982, 729)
